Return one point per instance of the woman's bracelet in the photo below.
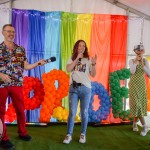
(93, 64)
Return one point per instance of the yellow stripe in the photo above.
(83, 30)
(148, 57)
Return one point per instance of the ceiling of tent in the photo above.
(139, 5)
(4, 1)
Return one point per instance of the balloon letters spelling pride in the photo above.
(56, 86)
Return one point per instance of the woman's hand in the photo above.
(137, 59)
(93, 70)
(80, 55)
(141, 62)
(94, 60)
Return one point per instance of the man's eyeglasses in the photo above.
(9, 31)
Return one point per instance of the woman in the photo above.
(137, 88)
(80, 67)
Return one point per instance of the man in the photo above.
(12, 63)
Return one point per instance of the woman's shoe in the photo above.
(82, 138)
(67, 139)
(144, 131)
(135, 129)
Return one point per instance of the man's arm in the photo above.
(28, 66)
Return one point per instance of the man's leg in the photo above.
(3, 97)
(17, 99)
(5, 142)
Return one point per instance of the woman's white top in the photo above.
(81, 72)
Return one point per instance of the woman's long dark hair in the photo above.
(75, 50)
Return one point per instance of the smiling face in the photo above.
(81, 47)
(9, 33)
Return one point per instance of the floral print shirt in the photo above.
(12, 64)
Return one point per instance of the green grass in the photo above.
(98, 138)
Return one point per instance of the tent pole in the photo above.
(123, 6)
(10, 11)
(127, 46)
(71, 6)
(4, 1)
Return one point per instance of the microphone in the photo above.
(51, 59)
(81, 53)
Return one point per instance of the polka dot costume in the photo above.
(138, 93)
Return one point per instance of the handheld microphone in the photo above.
(51, 59)
(81, 53)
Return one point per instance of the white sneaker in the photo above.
(67, 139)
(144, 131)
(82, 138)
(135, 127)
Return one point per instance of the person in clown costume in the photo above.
(139, 66)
